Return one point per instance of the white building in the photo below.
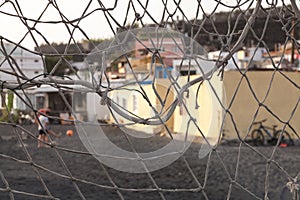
(31, 64)
(85, 104)
(246, 58)
(12, 59)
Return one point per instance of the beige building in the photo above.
(207, 110)
(277, 91)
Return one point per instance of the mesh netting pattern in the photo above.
(221, 159)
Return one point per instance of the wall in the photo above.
(128, 98)
(279, 102)
(208, 115)
(96, 111)
(243, 106)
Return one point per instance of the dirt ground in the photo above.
(55, 166)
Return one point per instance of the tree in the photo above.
(52, 61)
(10, 100)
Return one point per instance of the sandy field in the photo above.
(65, 174)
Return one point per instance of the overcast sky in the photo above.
(95, 25)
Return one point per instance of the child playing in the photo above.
(42, 122)
(44, 128)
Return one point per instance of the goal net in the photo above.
(149, 99)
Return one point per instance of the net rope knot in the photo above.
(293, 186)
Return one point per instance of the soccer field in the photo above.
(68, 171)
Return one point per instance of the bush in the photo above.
(4, 117)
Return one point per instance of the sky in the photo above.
(95, 25)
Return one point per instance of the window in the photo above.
(187, 72)
(134, 103)
(79, 101)
(247, 53)
(160, 74)
(182, 110)
(40, 102)
(124, 103)
(176, 49)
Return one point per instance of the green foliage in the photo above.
(97, 40)
(10, 100)
(131, 26)
(5, 117)
(52, 61)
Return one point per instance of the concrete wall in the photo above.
(208, 115)
(235, 93)
(136, 104)
(280, 100)
(96, 111)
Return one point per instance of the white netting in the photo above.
(165, 107)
